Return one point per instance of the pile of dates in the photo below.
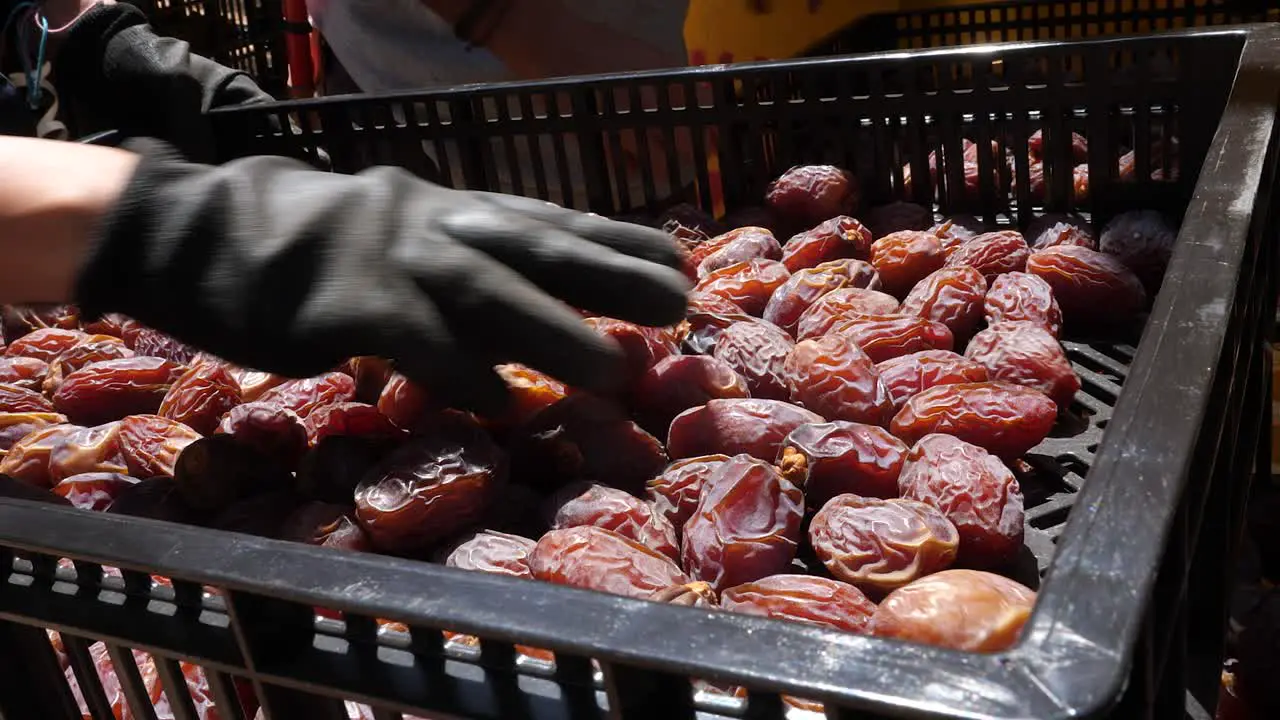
(829, 437)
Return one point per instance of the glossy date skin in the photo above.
(734, 427)
(92, 349)
(907, 375)
(842, 305)
(93, 491)
(807, 286)
(749, 285)
(28, 459)
(201, 396)
(880, 545)
(1090, 286)
(1007, 420)
(834, 378)
(88, 450)
(952, 296)
(151, 444)
(45, 344)
(494, 552)
(303, 396)
(674, 494)
(1023, 297)
(531, 392)
(112, 389)
(327, 525)
(959, 609)
(758, 352)
(14, 399)
(886, 337)
(844, 457)
(1026, 354)
(275, 431)
(802, 598)
(905, 258)
(613, 509)
(974, 490)
(735, 246)
(593, 558)
(24, 372)
(16, 426)
(402, 401)
(681, 382)
(834, 239)
(992, 254)
(746, 526)
(642, 347)
(348, 419)
(806, 195)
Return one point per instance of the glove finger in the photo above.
(582, 274)
(635, 240)
(498, 314)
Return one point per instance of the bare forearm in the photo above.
(52, 197)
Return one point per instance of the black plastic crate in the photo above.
(1032, 20)
(1134, 513)
(246, 35)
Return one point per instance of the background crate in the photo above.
(246, 35)
(1030, 20)
(1133, 521)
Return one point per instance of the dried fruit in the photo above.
(1143, 240)
(974, 490)
(807, 286)
(28, 459)
(844, 457)
(705, 329)
(746, 526)
(253, 384)
(834, 378)
(156, 498)
(802, 598)
(15, 426)
(272, 430)
(200, 397)
(747, 284)
(93, 491)
(757, 351)
(679, 383)
(959, 609)
(151, 444)
(112, 389)
(431, 488)
(1090, 286)
(348, 418)
(325, 525)
(1005, 419)
(1023, 297)
(94, 348)
(840, 305)
(1026, 354)
(906, 375)
(731, 427)
(674, 494)
(735, 246)
(1065, 233)
(806, 195)
(303, 396)
(44, 344)
(14, 399)
(148, 342)
(881, 545)
(694, 594)
(700, 302)
(992, 254)
(642, 347)
(24, 372)
(19, 320)
(87, 450)
(597, 559)
(371, 374)
(834, 239)
(905, 258)
(532, 391)
(883, 338)
(612, 509)
(402, 401)
(952, 296)
(493, 552)
(957, 230)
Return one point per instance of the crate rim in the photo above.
(1057, 668)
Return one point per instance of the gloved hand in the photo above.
(279, 267)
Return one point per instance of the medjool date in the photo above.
(960, 609)
(1026, 354)
(844, 457)
(1005, 419)
(834, 239)
(597, 559)
(834, 378)
(806, 195)
(731, 427)
(615, 510)
(758, 352)
(880, 545)
(802, 598)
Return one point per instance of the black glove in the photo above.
(279, 267)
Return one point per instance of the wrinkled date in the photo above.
(735, 246)
(94, 348)
(1005, 419)
(806, 195)
(1090, 286)
(1026, 354)
(88, 450)
(834, 239)
(747, 426)
(845, 457)
(700, 302)
(148, 342)
(112, 389)
(884, 338)
(93, 491)
(15, 426)
(746, 526)
(952, 296)
(348, 418)
(431, 488)
(959, 609)
(303, 396)
(151, 444)
(402, 401)
(749, 285)
(615, 510)
(679, 383)
(274, 431)
(974, 490)
(694, 594)
(758, 352)
(993, 253)
(802, 598)
(1015, 297)
(907, 375)
(880, 545)
(838, 306)
(834, 378)
(45, 344)
(28, 459)
(531, 391)
(700, 251)
(1065, 233)
(200, 397)
(805, 287)
(371, 374)
(597, 559)
(23, 372)
(253, 383)
(18, 320)
(705, 329)
(905, 258)
(325, 525)
(643, 347)
(14, 399)
(1143, 241)
(674, 494)
(493, 552)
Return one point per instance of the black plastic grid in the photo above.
(1158, 515)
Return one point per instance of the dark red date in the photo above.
(44, 344)
(1090, 286)
(1005, 419)
(597, 559)
(23, 372)
(679, 383)
(905, 258)
(884, 338)
(834, 378)
(201, 396)
(802, 598)
(845, 457)
(732, 427)
(303, 396)
(112, 389)
(758, 352)
(1026, 354)
(834, 239)
(493, 552)
(806, 195)
(993, 253)
(840, 305)
(907, 375)
(93, 491)
(952, 296)
(749, 285)
(151, 444)
(807, 286)
(1023, 297)
(674, 494)
(880, 545)
(613, 509)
